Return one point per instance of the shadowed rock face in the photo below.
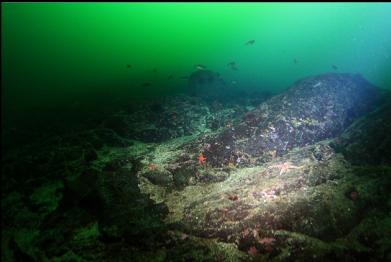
(368, 141)
(313, 109)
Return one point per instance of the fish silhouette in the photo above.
(232, 65)
(295, 61)
(200, 67)
(250, 42)
(334, 67)
(128, 66)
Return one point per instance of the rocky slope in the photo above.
(302, 176)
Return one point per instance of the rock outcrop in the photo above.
(303, 176)
(313, 109)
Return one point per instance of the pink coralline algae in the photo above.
(252, 251)
(354, 195)
(267, 243)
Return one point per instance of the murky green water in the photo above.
(59, 54)
(196, 132)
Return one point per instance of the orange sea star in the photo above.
(201, 159)
(284, 167)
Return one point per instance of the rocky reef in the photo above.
(312, 110)
(301, 176)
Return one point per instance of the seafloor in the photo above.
(302, 175)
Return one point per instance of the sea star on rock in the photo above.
(201, 159)
(285, 167)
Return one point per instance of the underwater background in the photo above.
(55, 55)
(196, 131)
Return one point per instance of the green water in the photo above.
(56, 55)
(244, 170)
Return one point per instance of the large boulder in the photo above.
(313, 109)
(328, 200)
(207, 84)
